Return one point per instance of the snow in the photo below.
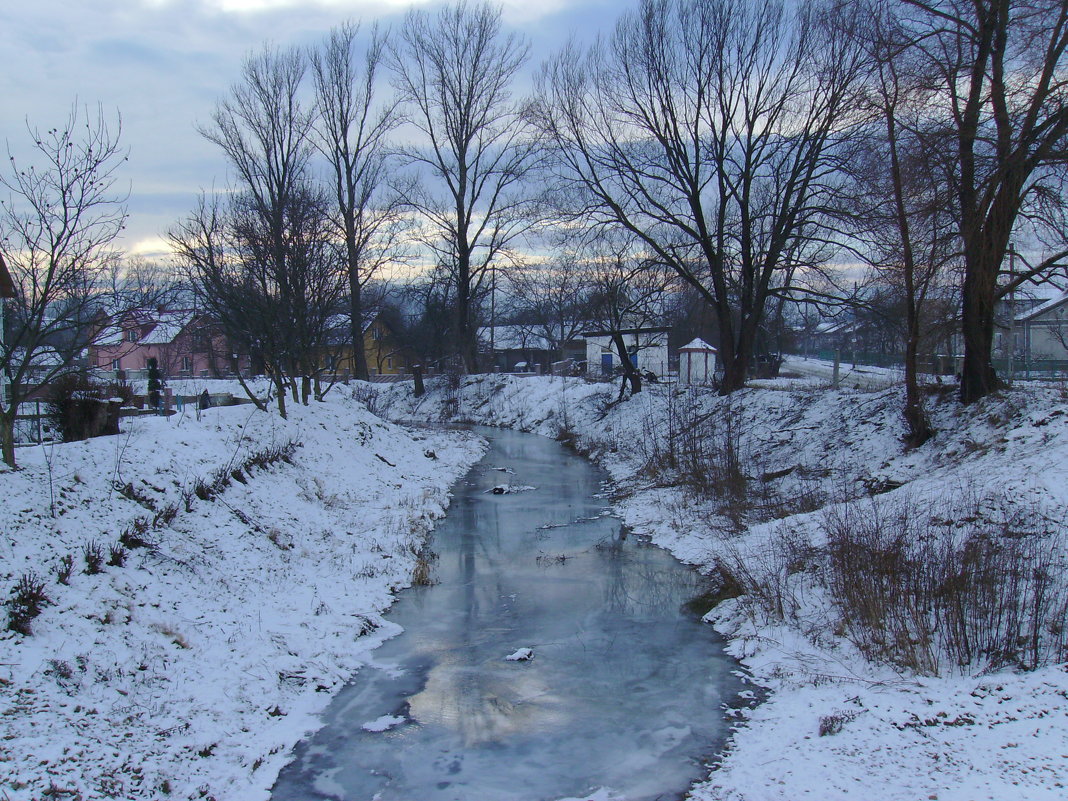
(192, 670)
(520, 655)
(830, 723)
(383, 723)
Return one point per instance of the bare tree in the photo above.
(551, 300)
(995, 83)
(902, 215)
(263, 262)
(350, 132)
(714, 131)
(277, 311)
(627, 289)
(58, 226)
(455, 70)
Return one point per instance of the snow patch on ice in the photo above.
(383, 723)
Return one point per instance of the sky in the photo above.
(161, 65)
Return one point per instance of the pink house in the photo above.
(185, 344)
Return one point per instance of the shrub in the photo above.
(27, 601)
(78, 408)
(135, 534)
(117, 555)
(66, 567)
(977, 583)
(94, 557)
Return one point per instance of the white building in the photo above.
(647, 347)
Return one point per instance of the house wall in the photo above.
(177, 359)
(1046, 338)
(652, 353)
(384, 355)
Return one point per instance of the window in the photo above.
(376, 333)
(389, 362)
(116, 364)
(131, 335)
(187, 364)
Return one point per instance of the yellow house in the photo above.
(384, 353)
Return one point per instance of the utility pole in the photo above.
(493, 314)
(1012, 310)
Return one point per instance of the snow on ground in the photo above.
(192, 669)
(834, 725)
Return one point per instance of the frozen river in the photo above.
(624, 695)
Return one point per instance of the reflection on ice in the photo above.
(483, 705)
(623, 699)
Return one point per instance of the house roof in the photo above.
(699, 346)
(1042, 308)
(162, 327)
(642, 330)
(513, 337)
(167, 326)
(7, 286)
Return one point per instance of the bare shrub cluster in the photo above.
(979, 584)
(974, 584)
(696, 447)
(700, 446)
(27, 600)
(773, 577)
(208, 488)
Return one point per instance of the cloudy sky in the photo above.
(162, 65)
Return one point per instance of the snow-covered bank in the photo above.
(190, 670)
(836, 725)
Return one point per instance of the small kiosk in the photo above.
(697, 363)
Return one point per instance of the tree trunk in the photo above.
(7, 436)
(305, 389)
(417, 375)
(466, 335)
(919, 428)
(281, 390)
(630, 373)
(978, 378)
(359, 356)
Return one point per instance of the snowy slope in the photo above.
(191, 670)
(836, 725)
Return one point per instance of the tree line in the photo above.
(760, 157)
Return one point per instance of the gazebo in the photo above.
(697, 363)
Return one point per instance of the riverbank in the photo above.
(206, 586)
(749, 487)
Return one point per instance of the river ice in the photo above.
(624, 698)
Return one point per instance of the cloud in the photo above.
(163, 64)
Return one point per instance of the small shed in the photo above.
(647, 347)
(697, 363)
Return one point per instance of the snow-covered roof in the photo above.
(513, 337)
(168, 325)
(109, 335)
(7, 286)
(1042, 308)
(698, 345)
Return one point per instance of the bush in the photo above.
(117, 555)
(94, 558)
(26, 602)
(78, 408)
(66, 567)
(978, 583)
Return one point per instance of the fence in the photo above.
(1016, 369)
